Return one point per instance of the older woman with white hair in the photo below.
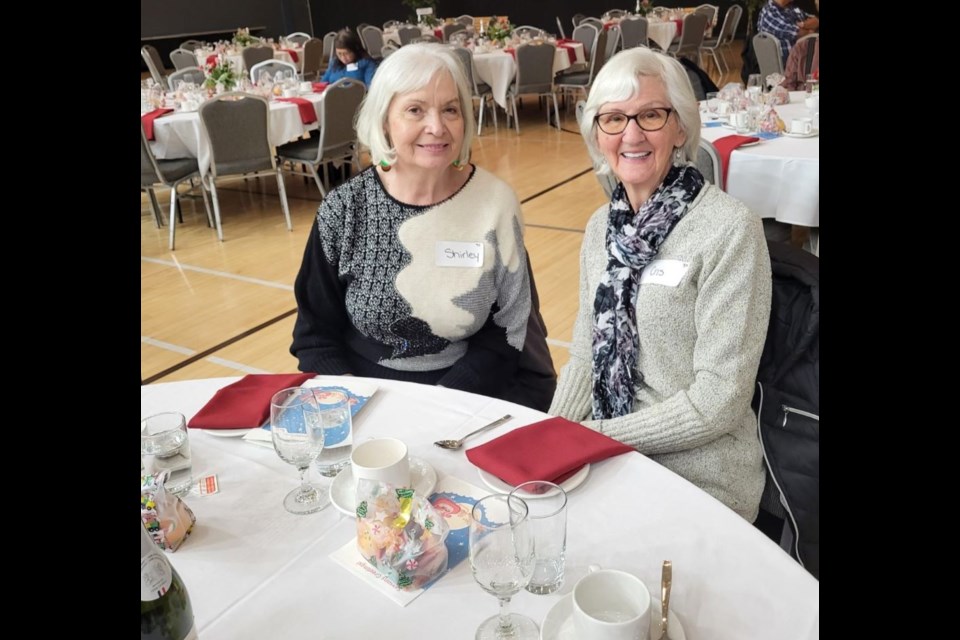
(674, 291)
(415, 269)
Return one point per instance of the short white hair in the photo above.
(619, 80)
(411, 68)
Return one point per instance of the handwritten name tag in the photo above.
(353, 66)
(459, 254)
(668, 273)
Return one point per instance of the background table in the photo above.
(255, 571)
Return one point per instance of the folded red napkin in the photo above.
(679, 23)
(246, 402)
(292, 53)
(307, 113)
(320, 87)
(571, 51)
(553, 450)
(511, 51)
(725, 147)
(148, 118)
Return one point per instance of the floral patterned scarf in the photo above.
(633, 240)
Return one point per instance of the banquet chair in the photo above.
(372, 39)
(633, 32)
(577, 19)
(328, 40)
(528, 30)
(192, 45)
(534, 75)
(236, 125)
(481, 90)
(408, 34)
(767, 49)
(450, 29)
(583, 80)
(312, 59)
(613, 14)
(389, 49)
(272, 67)
(170, 173)
(716, 46)
(465, 20)
(711, 11)
(194, 75)
(613, 40)
(585, 34)
(256, 54)
(708, 162)
(151, 56)
(594, 21)
(298, 37)
(183, 59)
(694, 29)
(337, 138)
(390, 24)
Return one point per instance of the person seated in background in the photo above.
(350, 60)
(804, 59)
(786, 23)
(415, 269)
(675, 291)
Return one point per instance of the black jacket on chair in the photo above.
(787, 399)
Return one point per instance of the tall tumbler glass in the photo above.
(547, 504)
(335, 417)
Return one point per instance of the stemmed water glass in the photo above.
(298, 439)
(502, 559)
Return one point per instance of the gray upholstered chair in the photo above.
(582, 80)
(170, 173)
(312, 59)
(194, 75)
(613, 40)
(450, 29)
(298, 37)
(767, 49)
(717, 47)
(694, 30)
(481, 91)
(586, 34)
(328, 50)
(151, 56)
(236, 125)
(253, 55)
(633, 32)
(192, 45)
(372, 38)
(465, 20)
(708, 162)
(407, 34)
(183, 59)
(272, 67)
(527, 30)
(337, 139)
(534, 75)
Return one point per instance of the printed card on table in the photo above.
(358, 391)
(453, 500)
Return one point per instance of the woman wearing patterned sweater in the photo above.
(416, 269)
(674, 291)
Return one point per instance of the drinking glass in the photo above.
(754, 80)
(547, 503)
(502, 559)
(165, 446)
(333, 408)
(298, 439)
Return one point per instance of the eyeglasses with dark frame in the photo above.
(652, 119)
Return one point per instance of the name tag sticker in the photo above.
(353, 66)
(668, 273)
(459, 254)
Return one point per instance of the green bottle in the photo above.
(165, 611)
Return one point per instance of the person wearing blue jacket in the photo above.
(350, 60)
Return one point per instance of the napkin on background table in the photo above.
(320, 87)
(246, 402)
(148, 118)
(725, 147)
(552, 450)
(308, 114)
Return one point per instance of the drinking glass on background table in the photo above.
(502, 559)
(165, 446)
(335, 417)
(298, 439)
(547, 503)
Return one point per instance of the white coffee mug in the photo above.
(801, 126)
(611, 605)
(384, 460)
(306, 87)
(289, 93)
(813, 102)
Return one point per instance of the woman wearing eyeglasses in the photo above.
(674, 291)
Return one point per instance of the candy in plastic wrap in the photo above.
(770, 122)
(167, 518)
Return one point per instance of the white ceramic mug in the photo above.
(289, 93)
(383, 459)
(306, 87)
(813, 102)
(611, 605)
(801, 126)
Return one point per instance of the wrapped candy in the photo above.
(770, 122)
(778, 94)
(167, 518)
(400, 534)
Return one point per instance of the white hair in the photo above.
(411, 68)
(619, 80)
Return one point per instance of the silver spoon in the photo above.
(666, 581)
(456, 444)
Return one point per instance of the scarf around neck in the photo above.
(632, 241)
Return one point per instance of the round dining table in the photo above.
(253, 570)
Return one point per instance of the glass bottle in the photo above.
(165, 611)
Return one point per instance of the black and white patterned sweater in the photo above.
(374, 301)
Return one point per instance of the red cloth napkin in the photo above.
(725, 147)
(293, 54)
(571, 51)
(148, 118)
(511, 51)
(307, 113)
(246, 402)
(320, 87)
(679, 24)
(553, 450)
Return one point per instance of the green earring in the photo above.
(386, 166)
(457, 165)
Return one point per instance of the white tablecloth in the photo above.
(777, 178)
(499, 69)
(662, 33)
(255, 571)
(179, 135)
